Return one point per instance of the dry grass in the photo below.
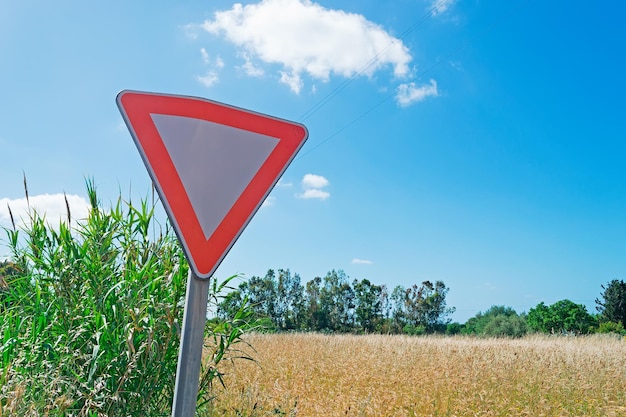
(376, 375)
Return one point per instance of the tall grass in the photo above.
(90, 322)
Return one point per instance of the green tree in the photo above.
(612, 306)
(497, 321)
(261, 294)
(231, 303)
(422, 307)
(564, 316)
(337, 302)
(314, 319)
(368, 304)
(399, 315)
(290, 307)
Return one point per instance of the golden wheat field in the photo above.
(378, 375)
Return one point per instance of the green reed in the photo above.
(90, 315)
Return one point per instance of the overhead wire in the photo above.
(362, 115)
(387, 98)
(369, 63)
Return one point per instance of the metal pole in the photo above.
(190, 355)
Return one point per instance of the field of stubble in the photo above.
(377, 375)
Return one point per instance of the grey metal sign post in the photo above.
(191, 343)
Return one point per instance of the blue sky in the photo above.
(478, 143)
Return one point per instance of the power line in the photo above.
(369, 63)
(375, 106)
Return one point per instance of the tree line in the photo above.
(562, 317)
(279, 301)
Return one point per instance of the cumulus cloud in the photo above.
(50, 205)
(314, 181)
(315, 193)
(305, 38)
(362, 261)
(312, 185)
(410, 93)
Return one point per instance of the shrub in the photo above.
(414, 330)
(611, 327)
(497, 321)
(454, 328)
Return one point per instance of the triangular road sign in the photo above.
(212, 164)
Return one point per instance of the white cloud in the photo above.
(313, 185)
(208, 80)
(219, 62)
(314, 181)
(211, 78)
(305, 38)
(250, 69)
(410, 93)
(315, 193)
(205, 55)
(362, 261)
(441, 6)
(50, 205)
(284, 184)
(293, 80)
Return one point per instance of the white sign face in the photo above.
(214, 162)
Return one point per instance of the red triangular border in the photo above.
(205, 255)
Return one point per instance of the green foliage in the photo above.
(422, 306)
(91, 318)
(413, 330)
(336, 303)
(454, 328)
(562, 317)
(368, 304)
(612, 307)
(611, 327)
(497, 321)
(332, 304)
(277, 303)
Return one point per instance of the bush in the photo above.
(497, 321)
(454, 328)
(414, 330)
(501, 325)
(92, 316)
(611, 327)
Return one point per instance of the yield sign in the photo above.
(212, 164)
